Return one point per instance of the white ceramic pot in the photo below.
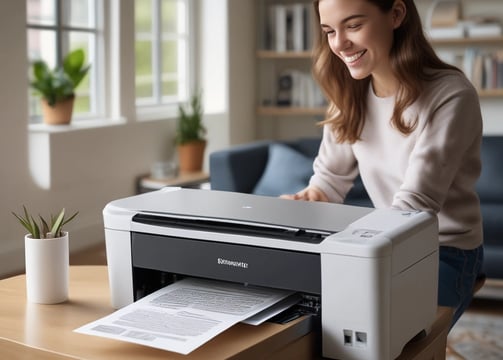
(47, 266)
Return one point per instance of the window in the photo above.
(54, 28)
(162, 52)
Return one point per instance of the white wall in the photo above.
(242, 73)
(91, 167)
(233, 73)
(15, 183)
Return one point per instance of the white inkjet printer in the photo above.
(369, 275)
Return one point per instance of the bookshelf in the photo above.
(489, 49)
(474, 46)
(496, 40)
(279, 56)
(271, 54)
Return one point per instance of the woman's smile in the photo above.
(352, 59)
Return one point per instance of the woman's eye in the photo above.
(354, 26)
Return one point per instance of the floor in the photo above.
(478, 334)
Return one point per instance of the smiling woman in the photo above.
(391, 98)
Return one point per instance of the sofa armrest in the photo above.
(238, 168)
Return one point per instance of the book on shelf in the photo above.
(297, 31)
(493, 70)
(443, 20)
(466, 29)
(484, 69)
(499, 69)
(289, 27)
(278, 26)
(451, 57)
(297, 88)
(444, 13)
(454, 32)
(484, 30)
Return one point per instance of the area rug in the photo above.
(476, 336)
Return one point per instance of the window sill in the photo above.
(75, 126)
(146, 113)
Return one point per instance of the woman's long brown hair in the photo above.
(411, 55)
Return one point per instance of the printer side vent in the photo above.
(214, 225)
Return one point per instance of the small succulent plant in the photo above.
(44, 229)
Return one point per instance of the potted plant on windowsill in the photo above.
(46, 257)
(191, 135)
(57, 87)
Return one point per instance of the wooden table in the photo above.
(33, 331)
(433, 346)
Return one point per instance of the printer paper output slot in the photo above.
(147, 281)
(262, 230)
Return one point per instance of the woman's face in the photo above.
(360, 34)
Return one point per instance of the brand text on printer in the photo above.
(227, 262)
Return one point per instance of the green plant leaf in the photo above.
(41, 70)
(23, 222)
(56, 224)
(36, 230)
(79, 76)
(189, 125)
(69, 219)
(73, 66)
(44, 225)
(73, 61)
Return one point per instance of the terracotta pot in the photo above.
(60, 113)
(190, 156)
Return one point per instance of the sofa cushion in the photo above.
(307, 146)
(287, 172)
(492, 218)
(489, 185)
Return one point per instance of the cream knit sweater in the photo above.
(434, 168)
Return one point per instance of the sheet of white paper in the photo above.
(272, 310)
(184, 315)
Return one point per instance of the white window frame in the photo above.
(95, 56)
(159, 106)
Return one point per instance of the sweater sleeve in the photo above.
(335, 167)
(445, 159)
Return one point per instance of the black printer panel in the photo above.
(260, 266)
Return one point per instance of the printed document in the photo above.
(184, 315)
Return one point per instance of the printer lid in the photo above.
(242, 208)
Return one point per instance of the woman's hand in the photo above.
(310, 193)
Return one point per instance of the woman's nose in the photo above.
(340, 42)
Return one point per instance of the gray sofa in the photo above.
(275, 168)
